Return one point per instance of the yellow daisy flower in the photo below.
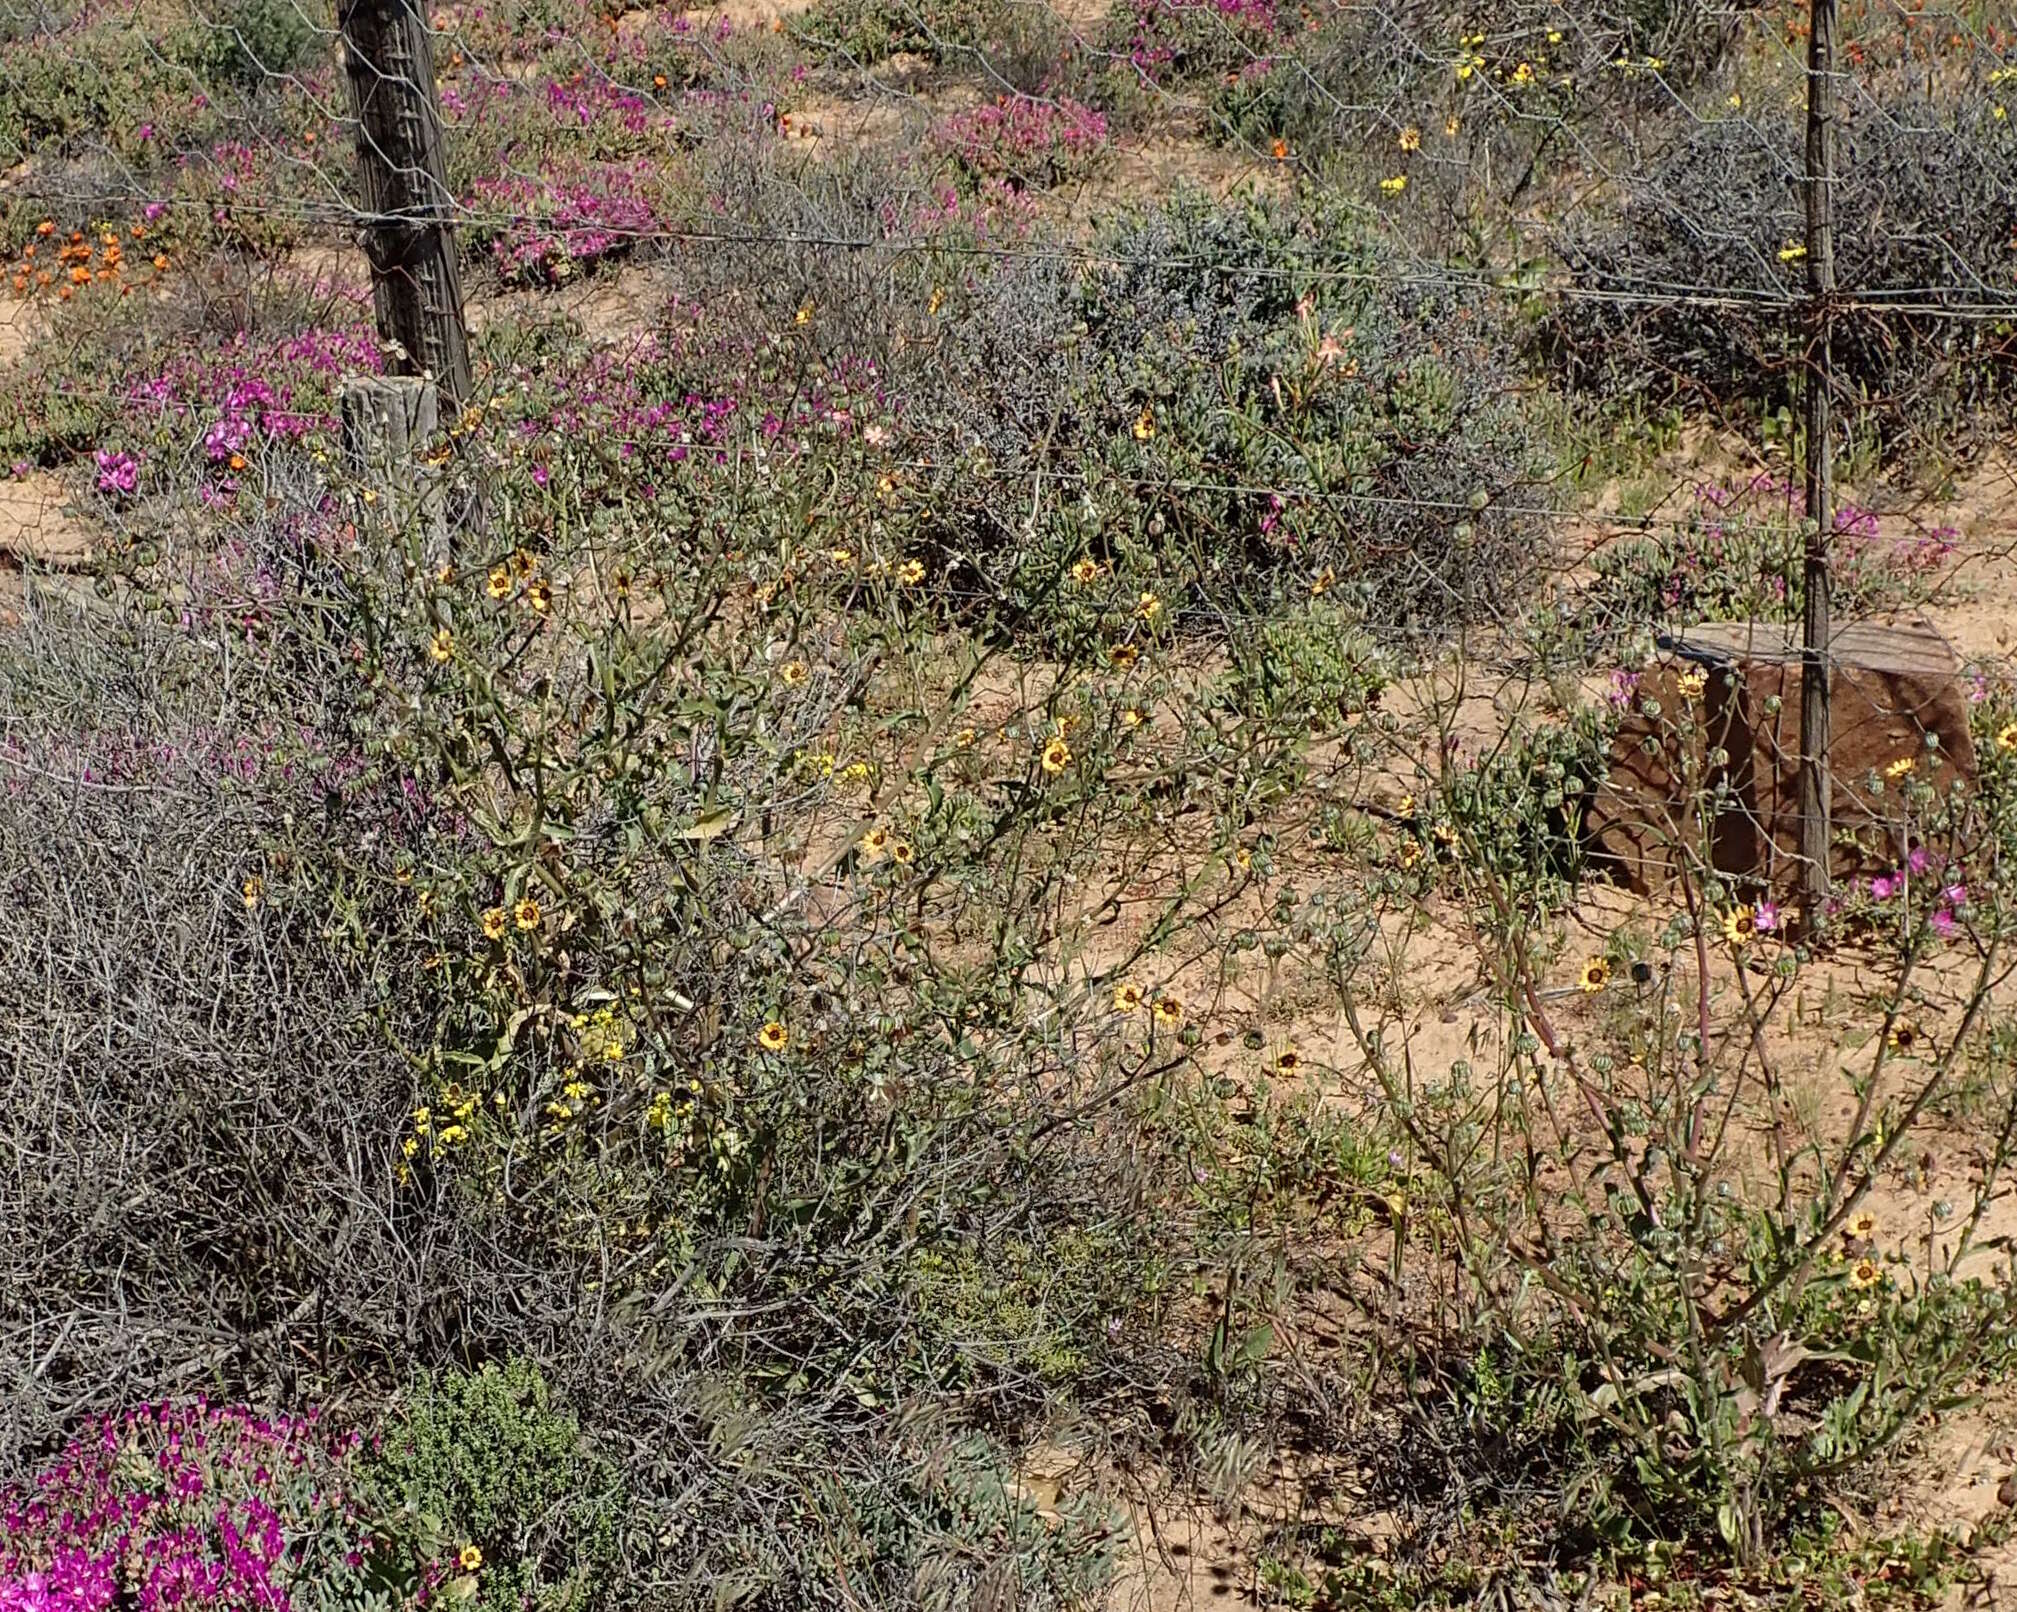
(539, 594)
(1899, 768)
(494, 923)
(1866, 1273)
(1740, 926)
(1057, 755)
(1169, 1010)
(441, 647)
(2006, 736)
(500, 582)
(469, 1558)
(526, 913)
(1862, 1226)
(773, 1037)
(1127, 997)
(1086, 570)
(1595, 976)
(793, 673)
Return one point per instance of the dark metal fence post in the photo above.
(1816, 673)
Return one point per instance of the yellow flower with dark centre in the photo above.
(1862, 1226)
(526, 913)
(523, 561)
(1899, 768)
(1145, 424)
(1132, 717)
(469, 1558)
(1320, 584)
(1692, 682)
(1169, 1010)
(901, 854)
(1148, 607)
(1866, 1273)
(793, 673)
(1411, 139)
(1086, 570)
(2006, 736)
(500, 582)
(1595, 976)
(872, 845)
(1288, 1061)
(1057, 755)
(911, 573)
(773, 1037)
(441, 647)
(1127, 997)
(539, 594)
(1123, 656)
(1904, 1036)
(495, 922)
(1740, 926)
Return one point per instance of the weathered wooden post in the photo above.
(388, 423)
(402, 163)
(1816, 626)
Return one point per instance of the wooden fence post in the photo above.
(388, 422)
(1816, 626)
(388, 56)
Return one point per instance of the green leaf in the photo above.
(710, 824)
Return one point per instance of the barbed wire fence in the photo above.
(1642, 193)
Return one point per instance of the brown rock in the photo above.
(1720, 763)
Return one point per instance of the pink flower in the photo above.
(1918, 861)
(1883, 887)
(1943, 923)
(1955, 895)
(1766, 919)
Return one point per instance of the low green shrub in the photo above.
(487, 1459)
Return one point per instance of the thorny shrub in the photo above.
(1925, 369)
